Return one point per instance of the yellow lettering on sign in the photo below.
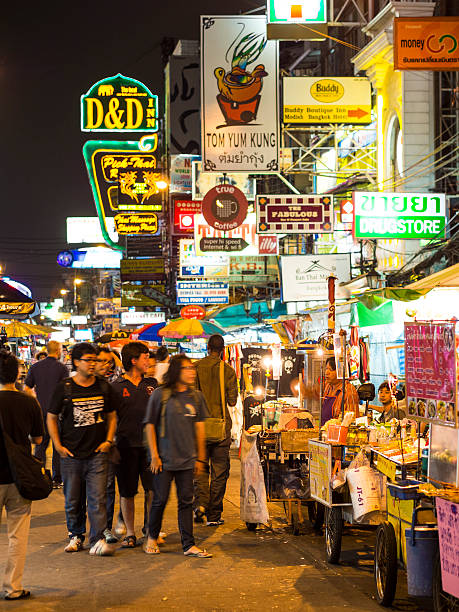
(130, 104)
(151, 123)
(93, 104)
(113, 117)
(386, 467)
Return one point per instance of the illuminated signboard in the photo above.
(92, 257)
(142, 269)
(294, 214)
(202, 292)
(184, 212)
(406, 216)
(87, 230)
(119, 104)
(142, 293)
(141, 318)
(296, 20)
(201, 265)
(136, 223)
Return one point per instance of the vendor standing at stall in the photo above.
(333, 394)
(389, 409)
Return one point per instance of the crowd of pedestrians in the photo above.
(142, 418)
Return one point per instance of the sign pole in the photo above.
(331, 304)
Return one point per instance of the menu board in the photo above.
(430, 362)
(448, 539)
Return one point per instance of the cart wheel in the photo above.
(385, 564)
(442, 602)
(333, 533)
(251, 526)
(316, 514)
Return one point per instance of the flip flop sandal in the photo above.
(22, 595)
(202, 554)
(151, 550)
(129, 542)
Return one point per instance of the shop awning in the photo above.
(449, 277)
(14, 304)
(235, 315)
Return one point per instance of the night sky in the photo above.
(51, 53)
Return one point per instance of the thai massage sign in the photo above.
(405, 216)
(119, 104)
(136, 223)
(239, 72)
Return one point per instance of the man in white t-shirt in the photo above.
(162, 364)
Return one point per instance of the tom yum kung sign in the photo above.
(119, 104)
(405, 216)
(239, 81)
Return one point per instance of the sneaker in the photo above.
(102, 549)
(215, 523)
(57, 484)
(120, 528)
(110, 538)
(75, 544)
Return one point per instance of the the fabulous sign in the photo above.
(119, 104)
(239, 85)
(294, 214)
(406, 216)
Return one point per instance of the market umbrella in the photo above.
(118, 334)
(235, 316)
(24, 330)
(148, 333)
(190, 328)
(14, 304)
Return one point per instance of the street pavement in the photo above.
(269, 569)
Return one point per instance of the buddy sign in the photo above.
(119, 104)
(405, 216)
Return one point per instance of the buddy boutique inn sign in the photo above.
(119, 104)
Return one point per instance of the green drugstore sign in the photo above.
(405, 216)
(119, 104)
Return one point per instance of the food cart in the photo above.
(421, 530)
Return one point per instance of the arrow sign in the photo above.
(223, 244)
(161, 298)
(358, 113)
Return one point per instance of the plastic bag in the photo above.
(360, 460)
(254, 508)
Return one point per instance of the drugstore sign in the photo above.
(119, 104)
(405, 216)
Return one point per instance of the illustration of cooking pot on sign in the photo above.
(240, 88)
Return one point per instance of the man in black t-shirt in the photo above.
(43, 377)
(133, 391)
(22, 420)
(85, 408)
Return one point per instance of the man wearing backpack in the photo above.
(218, 383)
(85, 408)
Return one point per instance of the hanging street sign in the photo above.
(136, 223)
(296, 20)
(206, 266)
(327, 100)
(239, 95)
(142, 269)
(405, 216)
(225, 207)
(119, 104)
(202, 292)
(222, 245)
(193, 312)
(294, 214)
(183, 212)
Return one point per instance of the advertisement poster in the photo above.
(304, 277)
(292, 214)
(239, 95)
(142, 269)
(320, 471)
(201, 265)
(137, 293)
(202, 292)
(181, 176)
(426, 43)
(205, 181)
(183, 212)
(430, 365)
(448, 537)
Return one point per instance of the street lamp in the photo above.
(162, 184)
(64, 291)
(373, 278)
(76, 283)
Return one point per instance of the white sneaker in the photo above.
(75, 544)
(102, 549)
(120, 528)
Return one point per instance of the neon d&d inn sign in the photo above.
(405, 216)
(119, 104)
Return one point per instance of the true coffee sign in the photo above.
(225, 207)
(119, 104)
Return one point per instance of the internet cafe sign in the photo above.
(119, 104)
(239, 93)
(405, 216)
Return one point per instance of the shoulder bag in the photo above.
(29, 475)
(216, 428)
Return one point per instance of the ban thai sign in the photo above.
(430, 366)
(239, 93)
(119, 104)
(140, 223)
(324, 100)
(426, 43)
(304, 277)
(405, 216)
(292, 214)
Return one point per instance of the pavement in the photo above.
(269, 569)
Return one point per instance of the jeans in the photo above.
(111, 492)
(40, 453)
(210, 493)
(161, 489)
(18, 511)
(92, 474)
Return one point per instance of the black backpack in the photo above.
(29, 475)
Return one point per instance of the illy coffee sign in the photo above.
(224, 207)
(268, 245)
